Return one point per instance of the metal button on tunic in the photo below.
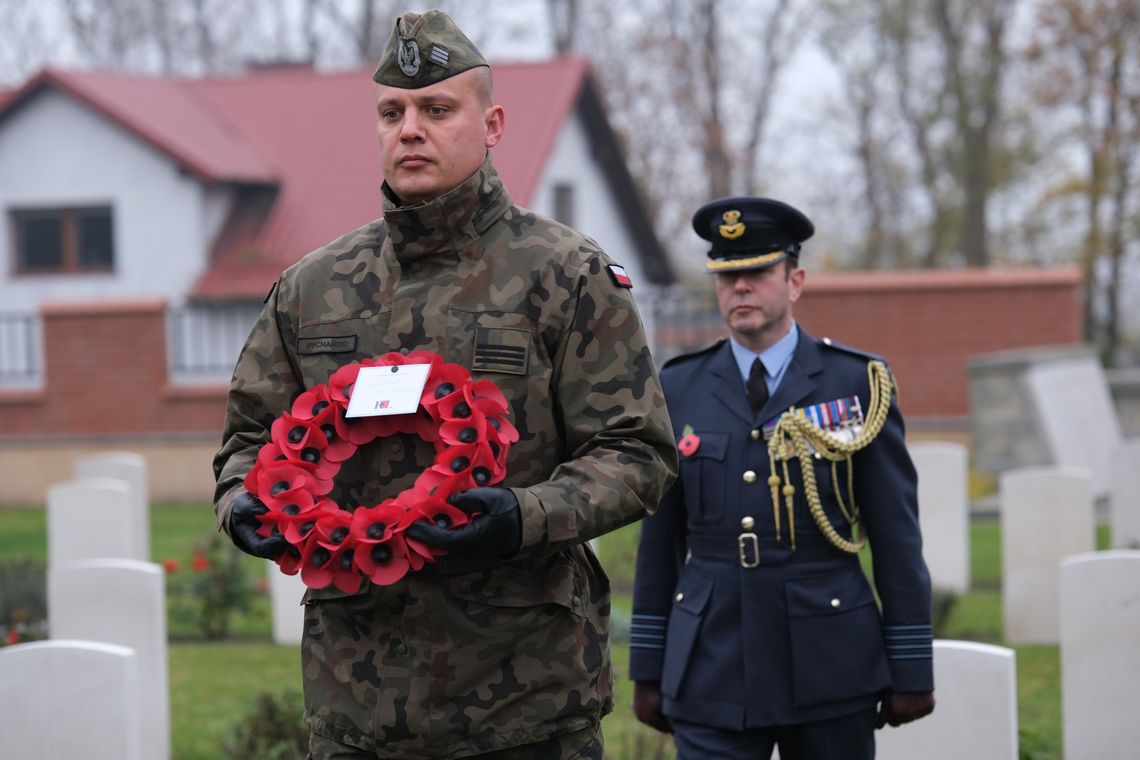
(749, 477)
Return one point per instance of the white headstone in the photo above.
(975, 715)
(1100, 654)
(130, 467)
(285, 592)
(1046, 515)
(90, 518)
(1074, 408)
(120, 601)
(944, 512)
(1124, 509)
(62, 699)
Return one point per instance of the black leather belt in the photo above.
(748, 549)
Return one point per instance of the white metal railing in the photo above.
(203, 341)
(21, 350)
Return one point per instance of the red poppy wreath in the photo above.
(465, 419)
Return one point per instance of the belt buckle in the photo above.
(742, 542)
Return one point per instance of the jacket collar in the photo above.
(798, 383)
(446, 224)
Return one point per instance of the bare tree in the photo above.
(689, 87)
(563, 17)
(946, 61)
(848, 37)
(1088, 53)
(976, 96)
(24, 39)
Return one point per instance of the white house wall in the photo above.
(57, 152)
(596, 210)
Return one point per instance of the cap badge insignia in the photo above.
(439, 55)
(732, 227)
(408, 57)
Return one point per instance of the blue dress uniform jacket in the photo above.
(799, 637)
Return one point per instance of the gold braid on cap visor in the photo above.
(752, 261)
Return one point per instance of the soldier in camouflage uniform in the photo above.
(501, 648)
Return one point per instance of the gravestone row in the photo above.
(108, 628)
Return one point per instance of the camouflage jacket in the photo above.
(452, 662)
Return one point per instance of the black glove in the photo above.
(244, 525)
(495, 533)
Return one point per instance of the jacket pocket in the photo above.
(690, 601)
(527, 624)
(552, 581)
(703, 476)
(836, 638)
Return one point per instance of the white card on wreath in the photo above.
(394, 389)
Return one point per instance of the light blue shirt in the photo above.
(776, 358)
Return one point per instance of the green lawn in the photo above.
(214, 684)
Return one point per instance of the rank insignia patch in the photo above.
(501, 350)
(618, 275)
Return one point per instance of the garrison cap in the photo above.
(423, 50)
(750, 233)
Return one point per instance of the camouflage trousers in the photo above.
(585, 744)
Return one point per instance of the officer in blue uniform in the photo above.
(753, 623)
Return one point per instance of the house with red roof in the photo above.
(200, 191)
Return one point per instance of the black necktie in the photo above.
(757, 386)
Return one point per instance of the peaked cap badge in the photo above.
(732, 227)
(409, 57)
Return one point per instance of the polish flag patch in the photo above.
(620, 278)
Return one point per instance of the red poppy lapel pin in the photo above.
(689, 442)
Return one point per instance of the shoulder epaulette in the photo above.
(680, 358)
(829, 343)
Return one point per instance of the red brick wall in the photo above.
(105, 363)
(105, 373)
(928, 324)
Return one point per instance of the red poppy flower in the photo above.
(199, 564)
(371, 525)
(313, 403)
(315, 407)
(485, 396)
(333, 527)
(13, 637)
(270, 454)
(460, 432)
(384, 562)
(322, 566)
(502, 430)
(443, 381)
(297, 527)
(299, 506)
(170, 565)
(689, 444)
(341, 382)
(290, 561)
(470, 465)
(436, 510)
